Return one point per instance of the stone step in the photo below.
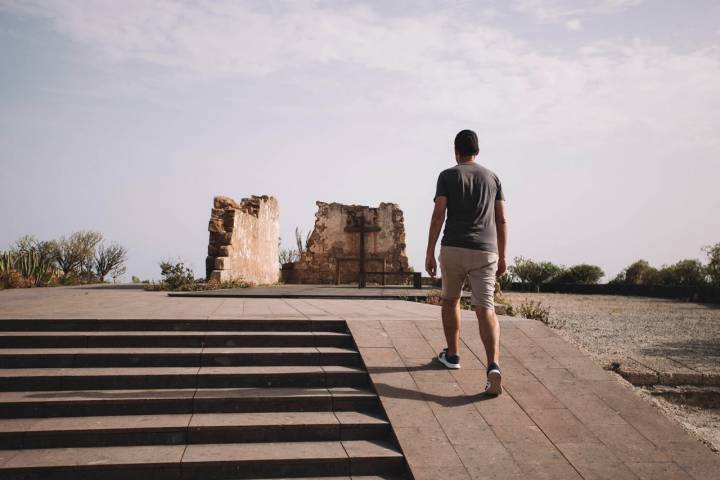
(191, 428)
(179, 339)
(41, 404)
(170, 324)
(175, 357)
(354, 477)
(28, 379)
(205, 461)
(191, 399)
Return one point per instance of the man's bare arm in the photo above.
(436, 223)
(501, 226)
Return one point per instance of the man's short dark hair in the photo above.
(466, 143)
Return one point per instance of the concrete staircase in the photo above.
(180, 399)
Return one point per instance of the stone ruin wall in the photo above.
(329, 240)
(244, 240)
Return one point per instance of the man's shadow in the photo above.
(392, 391)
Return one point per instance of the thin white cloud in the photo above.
(554, 11)
(573, 24)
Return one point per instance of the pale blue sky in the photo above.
(600, 117)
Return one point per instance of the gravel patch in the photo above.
(676, 338)
(615, 328)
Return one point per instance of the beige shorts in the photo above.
(457, 264)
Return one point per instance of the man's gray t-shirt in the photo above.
(471, 192)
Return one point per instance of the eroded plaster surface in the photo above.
(330, 243)
(244, 240)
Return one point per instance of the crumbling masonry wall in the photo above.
(329, 243)
(244, 240)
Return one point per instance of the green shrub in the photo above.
(690, 273)
(580, 274)
(504, 282)
(639, 273)
(713, 266)
(533, 273)
(687, 273)
(176, 276)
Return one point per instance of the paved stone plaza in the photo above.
(397, 292)
(561, 415)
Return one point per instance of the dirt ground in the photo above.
(613, 328)
(656, 332)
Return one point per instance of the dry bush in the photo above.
(16, 280)
(109, 260)
(534, 311)
(213, 285)
(434, 297)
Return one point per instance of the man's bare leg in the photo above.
(451, 324)
(489, 333)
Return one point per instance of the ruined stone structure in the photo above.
(244, 240)
(333, 249)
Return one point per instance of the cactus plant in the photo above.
(6, 262)
(31, 266)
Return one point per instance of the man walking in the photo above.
(473, 247)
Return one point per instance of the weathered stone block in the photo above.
(637, 373)
(226, 202)
(243, 243)
(221, 238)
(216, 225)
